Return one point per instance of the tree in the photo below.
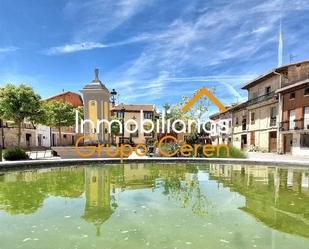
(59, 114)
(20, 103)
(115, 128)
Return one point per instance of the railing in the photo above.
(296, 124)
(261, 98)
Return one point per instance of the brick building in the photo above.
(295, 118)
(69, 97)
(68, 133)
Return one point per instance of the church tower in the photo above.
(96, 107)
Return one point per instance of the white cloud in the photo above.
(96, 18)
(9, 49)
(77, 47)
(71, 48)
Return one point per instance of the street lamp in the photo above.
(123, 113)
(113, 93)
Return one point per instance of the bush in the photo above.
(15, 154)
(234, 153)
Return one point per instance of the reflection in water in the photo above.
(98, 206)
(24, 192)
(278, 197)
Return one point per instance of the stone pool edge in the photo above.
(33, 164)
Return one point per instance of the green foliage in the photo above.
(234, 153)
(15, 154)
(115, 128)
(59, 114)
(191, 138)
(19, 103)
(80, 110)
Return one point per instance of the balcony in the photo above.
(261, 98)
(294, 125)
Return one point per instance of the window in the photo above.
(292, 119)
(292, 95)
(304, 140)
(306, 118)
(230, 124)
(133, 127)
(252, 117)
(119, 114)
(273, 116)
(147, 115)
(267, 89)
(244, 123)
(236, 121)
(306, 91)
(65, 136)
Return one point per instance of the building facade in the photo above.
(275, 116)
(126, 112)
(295, 118)
(256, 120)
(226, 118)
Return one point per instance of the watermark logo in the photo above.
(198, 95)
(161, 125)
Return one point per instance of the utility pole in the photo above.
(292, 57)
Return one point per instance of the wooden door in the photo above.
(288, 141)
(252, 138)
(273, 141)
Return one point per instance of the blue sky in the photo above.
(150, 51)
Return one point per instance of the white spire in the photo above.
(280, 47)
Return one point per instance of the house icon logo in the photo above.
(198, 95)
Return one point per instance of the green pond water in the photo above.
(155, 206)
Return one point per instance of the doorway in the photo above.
(243, 142)
(28, 140)
(39, 140)
(252, 138)
(54, 139)
(288, 142)
(273, 141)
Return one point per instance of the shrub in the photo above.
(15, 154)
(234, 153)
(192, 138)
